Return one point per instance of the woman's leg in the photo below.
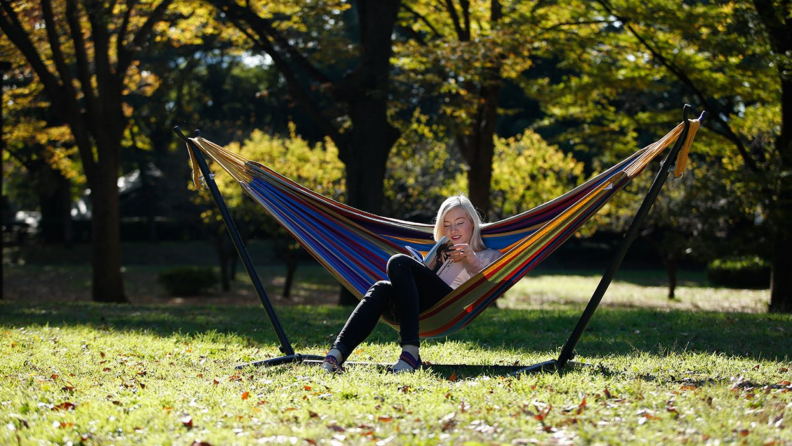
(363, 320)
(415, 288)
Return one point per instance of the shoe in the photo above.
(410, 360)
(331, 365)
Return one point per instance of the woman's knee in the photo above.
(398, 261)
(381, 290)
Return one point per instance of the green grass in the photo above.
(156, 374)
(631, 288)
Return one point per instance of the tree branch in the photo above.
(62, 103)
(265, 27)
(107, 85)
(449, 4)
(83, 65)
(465, 5)
(779, 31)
(717, 113)
(582, 22)
(422, 19)
(130, 5)
(261, 40)
(57, 53)
(11, 26)
(141, 36)
(414, 34)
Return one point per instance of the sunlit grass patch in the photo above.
(646, 289)
(153, 374)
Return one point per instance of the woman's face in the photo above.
(457, 226)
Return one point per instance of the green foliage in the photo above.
(316, 167)
(740, 272)
(187, 280)
(453, 55)
(631, 65)
(423, 171)
(527, 171)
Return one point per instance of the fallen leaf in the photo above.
(384, 419)
(245, 395)
(64, 406)
(200, 443)
(336, 428)
(448, 421)
(453, 376)
(187, 421)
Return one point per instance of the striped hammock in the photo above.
(355, 245)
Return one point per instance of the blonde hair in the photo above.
(463, 202)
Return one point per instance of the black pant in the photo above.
(412, 288)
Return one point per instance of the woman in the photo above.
(413, 287)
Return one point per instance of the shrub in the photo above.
(187, 281)
(741, 272)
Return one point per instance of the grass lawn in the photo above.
(654, 373)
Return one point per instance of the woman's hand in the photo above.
(465, 254)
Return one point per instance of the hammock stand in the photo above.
(567, 352)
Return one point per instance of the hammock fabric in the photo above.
(355, 245)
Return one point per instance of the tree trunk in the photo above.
(372, 136)
(54, 193)
(108, 284)
(479, 147)
(781, 277)
(292, 261)
(225, 256)
(671, 264)
(778, 26)
(147, 190)
(781, 261)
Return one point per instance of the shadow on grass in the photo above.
(612, 331)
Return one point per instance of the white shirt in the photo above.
(486, 257)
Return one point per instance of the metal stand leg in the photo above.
(285, 346)
(567, 352)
